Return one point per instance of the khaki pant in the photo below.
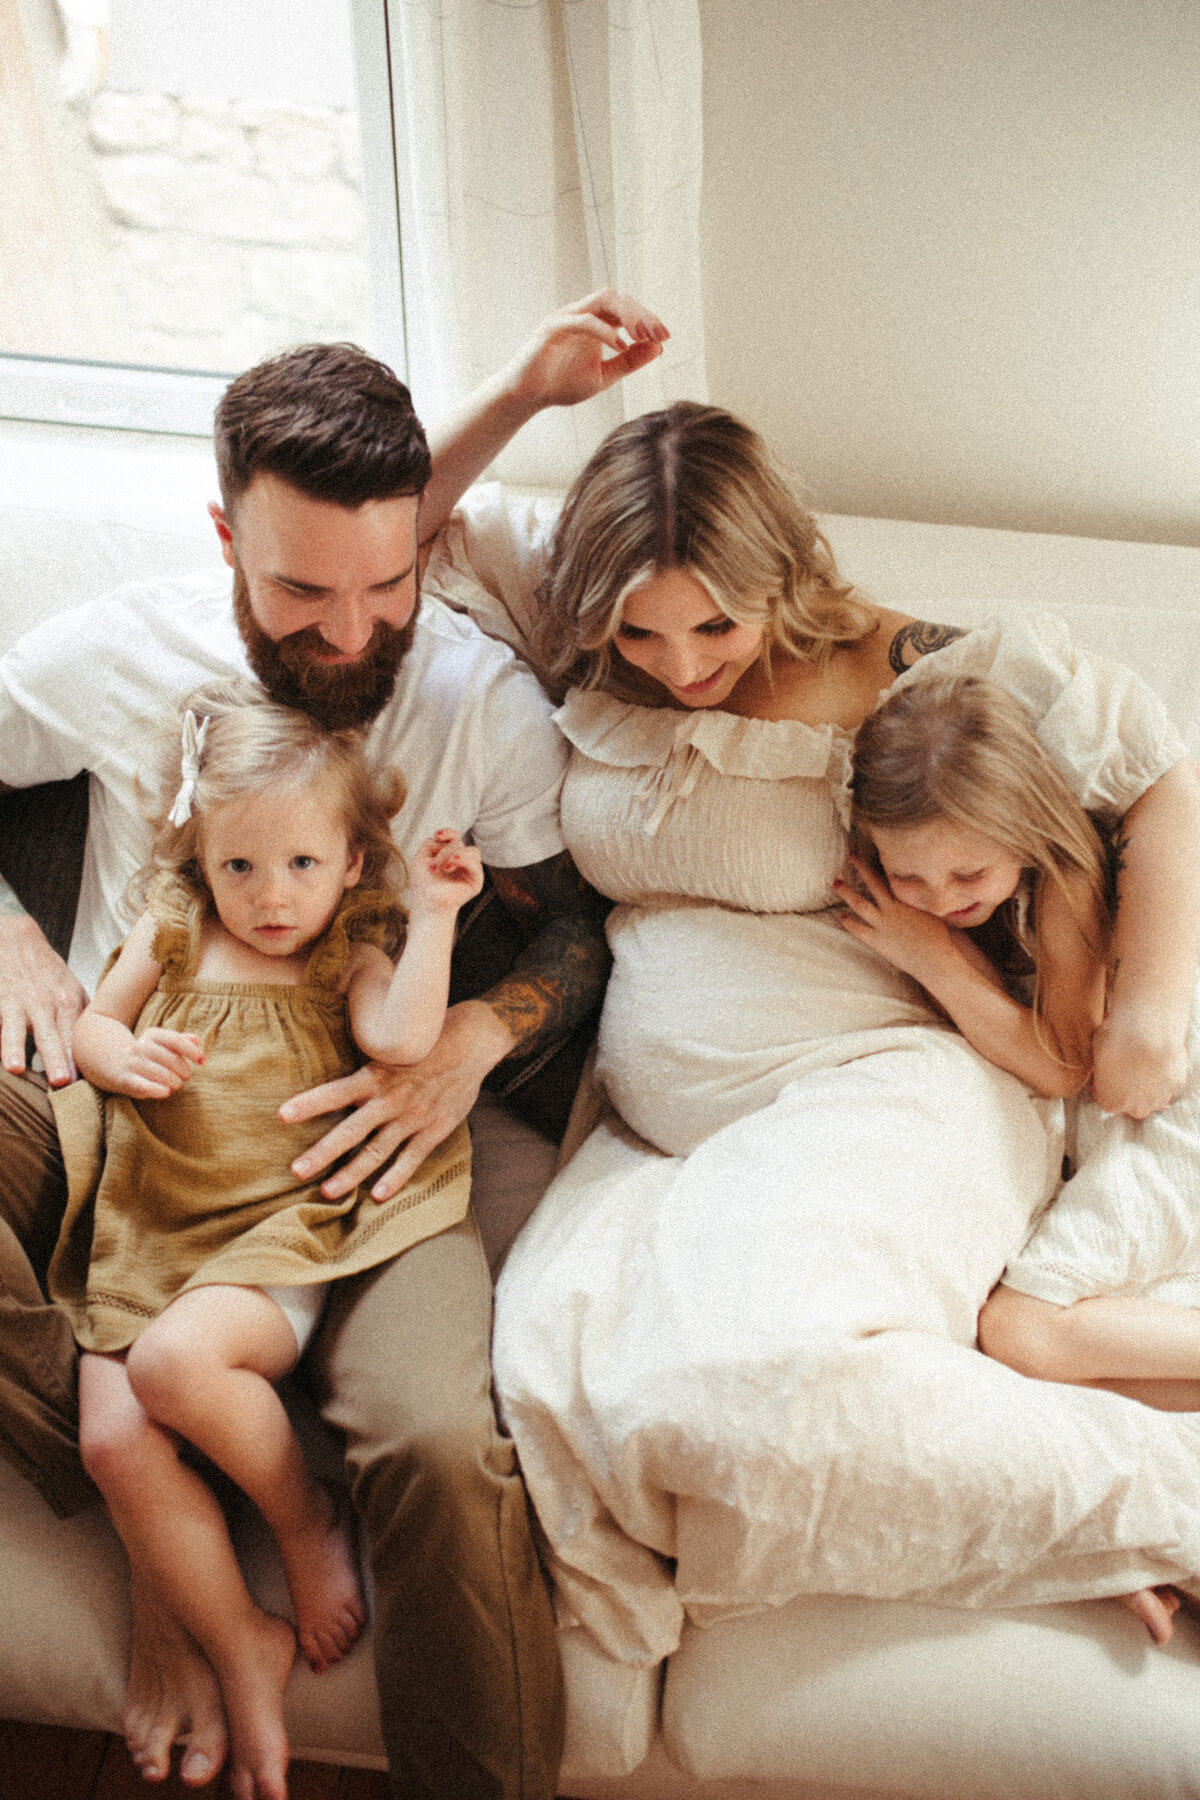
(465, 1650)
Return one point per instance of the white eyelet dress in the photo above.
(735, 1343)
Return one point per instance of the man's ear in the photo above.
(217, 515)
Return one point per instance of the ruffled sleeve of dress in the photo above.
(673, 747)
(490, 557)
(178, 911)
(365, 916)
(1107, 730)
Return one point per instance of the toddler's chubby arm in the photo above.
(954, 971)
(149, 1067)
(1141, 1047)
(397, 1014)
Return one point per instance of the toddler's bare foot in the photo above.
(252, 1685)
(172, 1692)
(323, 1575)
(1156, 1608)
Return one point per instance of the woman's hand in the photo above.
(415, 1107)
(155, 1065)
(1139, 1063)
(564, 361)
(444, 874)
(911, 940)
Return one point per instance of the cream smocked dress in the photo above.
(165, 1195)
(735, 1343)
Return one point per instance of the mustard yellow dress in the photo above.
(165, 1195)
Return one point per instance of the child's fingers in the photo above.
(182, 1043)
(878, 890)
(859, 903)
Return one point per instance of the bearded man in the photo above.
(328, 492)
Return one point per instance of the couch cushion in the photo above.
(1069, 1701)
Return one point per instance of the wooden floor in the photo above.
(38, 1762)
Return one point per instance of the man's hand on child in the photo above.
(444, 874)
(158, 1064)
(904, 936)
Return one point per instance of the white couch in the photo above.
(828, 1699)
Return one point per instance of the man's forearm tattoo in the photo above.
(558, 978)
(917, 639)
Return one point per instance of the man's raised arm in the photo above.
(564, 362)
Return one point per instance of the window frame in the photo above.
(180, 402)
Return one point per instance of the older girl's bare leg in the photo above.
(176, 1537)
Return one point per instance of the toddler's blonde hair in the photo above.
(963, 749)
(253, 744)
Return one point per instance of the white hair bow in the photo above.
(194, 735)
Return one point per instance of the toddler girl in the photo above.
(192, 1261)
(998, 899)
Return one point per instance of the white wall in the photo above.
(953, 254)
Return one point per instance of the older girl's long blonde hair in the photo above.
(252, 744)
(689, 488)
(963, 749)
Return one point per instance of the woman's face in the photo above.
(674, 631)
(945, 869)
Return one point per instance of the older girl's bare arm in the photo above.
(1053, 1055)
(1141, 1049)
(149, 1067)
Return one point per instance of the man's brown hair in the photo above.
(328, 419)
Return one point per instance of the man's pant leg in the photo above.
(38, 1391)
(466, 1652)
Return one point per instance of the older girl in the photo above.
(996, 900)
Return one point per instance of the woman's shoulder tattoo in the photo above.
(917, 639)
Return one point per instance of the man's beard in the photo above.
(294, 672)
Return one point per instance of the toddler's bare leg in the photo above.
(175, 1534)
(204, 1369)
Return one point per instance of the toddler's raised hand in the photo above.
(158, 1063)
(444, 874)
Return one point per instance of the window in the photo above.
(202, 186)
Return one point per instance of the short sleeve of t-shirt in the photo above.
(1106, 728)
(53, 690)
(471, 731)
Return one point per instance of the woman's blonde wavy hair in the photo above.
(963, 749)
(254, 745)
(689, 488)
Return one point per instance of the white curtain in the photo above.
(547, 148)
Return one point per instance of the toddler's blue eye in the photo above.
(304, 862)
(238, 865)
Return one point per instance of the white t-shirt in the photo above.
(468, 727)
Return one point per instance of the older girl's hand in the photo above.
(911, 940)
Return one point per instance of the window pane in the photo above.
(191, 193)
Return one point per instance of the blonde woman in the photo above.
(736, 1343)
(995, 897)
(192, 1260)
